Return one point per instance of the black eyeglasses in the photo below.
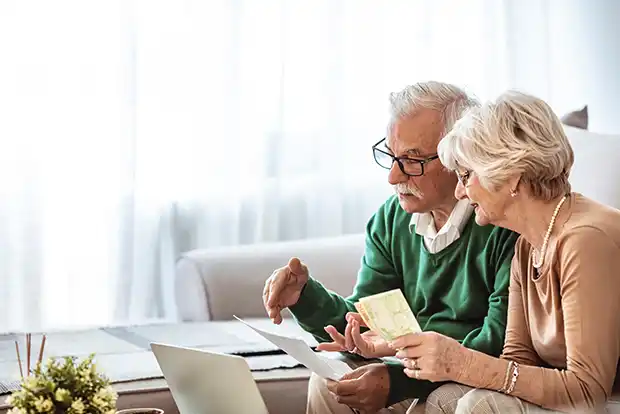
(409, 166)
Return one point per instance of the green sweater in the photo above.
(461, 291)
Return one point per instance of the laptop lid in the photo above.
(205, 382)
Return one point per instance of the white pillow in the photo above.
(596, 172)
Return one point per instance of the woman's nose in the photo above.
(460, 192)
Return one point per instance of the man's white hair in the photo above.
(446, 98)
(514, 135)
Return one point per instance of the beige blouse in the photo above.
(564, 321)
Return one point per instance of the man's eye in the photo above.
(409, 161)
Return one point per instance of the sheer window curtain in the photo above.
(131, 131)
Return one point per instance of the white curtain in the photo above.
(131, 131)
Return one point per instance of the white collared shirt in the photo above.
(435, 241)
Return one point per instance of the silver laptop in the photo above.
(203, 382)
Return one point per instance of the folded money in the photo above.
(364, 314)
(388, 314)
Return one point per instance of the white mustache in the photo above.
(402, 188)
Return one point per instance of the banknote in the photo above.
(388, 314)
(364, 314)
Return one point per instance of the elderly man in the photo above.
(453, 272)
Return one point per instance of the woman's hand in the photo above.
(431, 356)
(367, 344)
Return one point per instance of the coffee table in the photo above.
(123, 353)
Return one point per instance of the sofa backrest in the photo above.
(216, 284)
(596, 172)
(219, 283)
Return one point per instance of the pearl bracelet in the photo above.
(512, 373)
(515, 375)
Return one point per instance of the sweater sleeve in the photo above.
(318, 307)
(518, 346)
(489, 338)
(590, 292)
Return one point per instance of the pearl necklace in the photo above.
(546, 239)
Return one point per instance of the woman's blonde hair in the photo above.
(516, 134)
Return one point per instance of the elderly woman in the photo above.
(562, 342)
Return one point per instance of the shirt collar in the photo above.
(423, 223)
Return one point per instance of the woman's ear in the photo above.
(513, 185)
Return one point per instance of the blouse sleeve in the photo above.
(590, 291)
(518, 343)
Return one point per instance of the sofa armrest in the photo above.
(191, 296)
(215, 284)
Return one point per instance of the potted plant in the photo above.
(64, 386)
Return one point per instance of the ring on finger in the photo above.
(414, 364)
(416, 373)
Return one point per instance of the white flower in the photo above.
(77, 407)
(107, 394)
(84, 378)
(104, 399)
(43, 405)
(31, 382)
(99, 403)
(62, 395)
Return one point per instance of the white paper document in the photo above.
(322, 366)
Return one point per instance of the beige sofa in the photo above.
(217, 283)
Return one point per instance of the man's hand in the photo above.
(283, 288)
(367, 344)
(365, 389)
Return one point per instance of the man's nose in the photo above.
(460, 192)
(396, 176)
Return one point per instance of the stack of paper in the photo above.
(388, 314)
